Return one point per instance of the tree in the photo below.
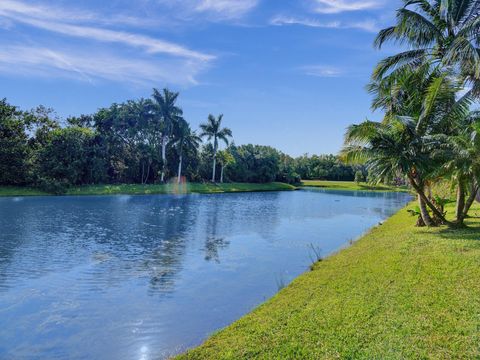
(186, 140)
(14, 149)
(212, 129)
(439, 32)
(255, 163)
(359, 176)
(460, 154)
(65, 159)
(168, 114)
(225, 158)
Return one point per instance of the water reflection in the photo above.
(133, 276)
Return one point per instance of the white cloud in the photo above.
(338, 6)
(16, 8)
(157, 60)
(227, 8)
(213, 10)
(322, 71)
(367, 25)
(41, 61)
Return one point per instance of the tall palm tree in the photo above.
(168, 114)
(186, 140)
(212, 129)
(437, 31)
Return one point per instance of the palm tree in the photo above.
(212, 129)
(225, 158)
(186, 140)
(404, 142)
(461, 154)
(438, 31)
(168, 115)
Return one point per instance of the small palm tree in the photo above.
(186, 140)
(168, 115)
(461, 155)
(438, 31)
(212, 129)
(225, 158)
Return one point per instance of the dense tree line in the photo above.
(429, 96)
(140, 141)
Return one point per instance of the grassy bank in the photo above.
(399, 292)
(153, 189)
(350, 185)
(20, 191)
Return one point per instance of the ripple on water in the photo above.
(149, 276)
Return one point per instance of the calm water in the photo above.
(144, 277)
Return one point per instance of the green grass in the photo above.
(206, 188)
(20, 191)
(350, 185)
(399, 292)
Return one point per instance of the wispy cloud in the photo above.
(322, 71)
(158, 57)
(16, 8)
(41, 61)
(213, 10)
(366, 25)
(339, 6)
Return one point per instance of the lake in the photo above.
(145, 277)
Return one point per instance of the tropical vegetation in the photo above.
(140, 142)
(428, 96)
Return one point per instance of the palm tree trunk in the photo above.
(214, 167)
(180, 169)
(214, 159)
(471, 198)
(221, 174)
(164, 158)
(421, 194)
(459, 211)
(427, 219)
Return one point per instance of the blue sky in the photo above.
(286, 73)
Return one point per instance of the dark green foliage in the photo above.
(255, 163)
(14, 150)
(69, 158)
(125, 143)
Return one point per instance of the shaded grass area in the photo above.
(399, 292)
(20, 191)
(136, 189)
(351, 185)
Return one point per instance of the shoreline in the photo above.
(154, 189)
(195, 188)
(396, 292)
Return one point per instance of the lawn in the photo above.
(350, 185)
(20, 191)
(399, 292)
(172, 188)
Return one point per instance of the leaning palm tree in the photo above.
(389, 150)
(186, 140)
(168, 115)
(435, 31)
(404, 141)
(212, 129)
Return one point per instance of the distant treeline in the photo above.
(140, 141)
